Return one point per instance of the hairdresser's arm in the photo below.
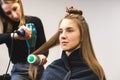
(4, 37)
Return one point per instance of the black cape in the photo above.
(69, 68)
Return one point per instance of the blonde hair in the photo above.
(86, 45)
(22, 18)
(1, 25)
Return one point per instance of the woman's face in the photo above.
(12, 11)
(69, 35)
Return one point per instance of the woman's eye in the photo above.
(8, 13)
(60, 31)
(15, 8)
(70, 30)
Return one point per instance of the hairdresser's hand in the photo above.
(43, 59)
(28, 33)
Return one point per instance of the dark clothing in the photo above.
(20, 72)
(69, 68)
(19, 48)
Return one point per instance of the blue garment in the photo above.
(69, 68)
(20, 71)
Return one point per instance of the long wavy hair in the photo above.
(86, 45)
(6, 19)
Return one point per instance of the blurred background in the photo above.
(103, 17)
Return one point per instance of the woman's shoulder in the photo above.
(56, 65)
(57, 62)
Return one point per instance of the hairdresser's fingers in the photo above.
(43, 59)
(14, 35)
(28, 32)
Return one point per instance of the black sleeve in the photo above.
(40, 33)
(4, 37)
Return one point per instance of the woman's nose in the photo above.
(14, 14)
(63, 35)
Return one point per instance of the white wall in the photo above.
(103, 17)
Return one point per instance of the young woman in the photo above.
(19, 47)
(78, 61)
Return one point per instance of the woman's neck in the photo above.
(68, 53)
